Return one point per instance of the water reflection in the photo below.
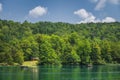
(18, 73)
(61, 73)
(80, 73)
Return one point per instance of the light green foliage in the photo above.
(69, 55)
(59, 43)
(106, 51)
(84, 50)
(96, 53)
(47, 54)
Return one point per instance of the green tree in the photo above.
(96, 53)
(106, 51)
(84, 50)
(47, 54)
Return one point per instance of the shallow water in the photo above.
(68, 72)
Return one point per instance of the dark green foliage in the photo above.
(59, 43)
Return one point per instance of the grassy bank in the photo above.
(30, 63)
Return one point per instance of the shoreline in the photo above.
(35, 63)
(26, 63)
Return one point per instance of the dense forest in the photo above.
(59, 43)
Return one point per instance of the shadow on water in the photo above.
(66, 72)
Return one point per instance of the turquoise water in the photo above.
(111, 72)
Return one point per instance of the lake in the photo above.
(68, 72)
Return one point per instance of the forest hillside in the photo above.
(59, 43)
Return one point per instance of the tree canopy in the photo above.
(59, 43)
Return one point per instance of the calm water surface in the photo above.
(111, 72)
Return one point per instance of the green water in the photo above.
(111, 72)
